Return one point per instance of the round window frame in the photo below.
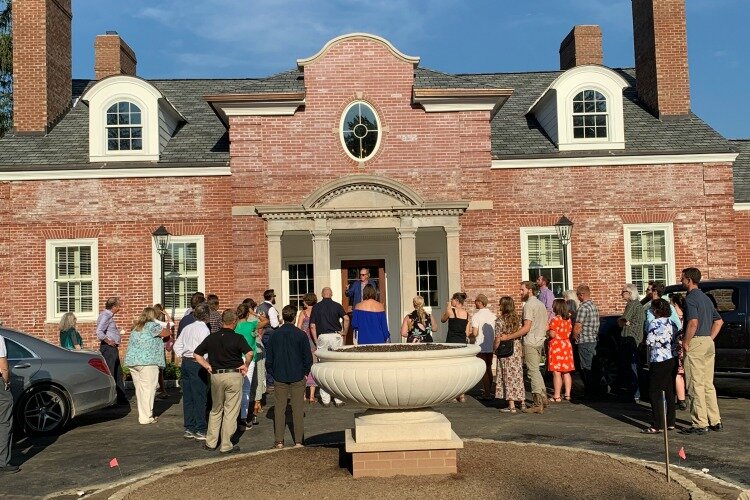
(341, 131)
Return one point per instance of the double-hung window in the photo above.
(72, 281)
(542, 254)
(183, 272)
(649, 254)
(301, 281)
(427, 281)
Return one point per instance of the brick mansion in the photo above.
(357, 157)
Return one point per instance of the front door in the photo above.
(350, 273)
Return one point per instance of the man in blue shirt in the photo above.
(289, 359)
(354, 291)
(109, 336)
(702, 324)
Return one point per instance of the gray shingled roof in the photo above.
(742, 171)
(516, 135)
(203, 139)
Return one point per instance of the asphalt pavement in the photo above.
(79, 459)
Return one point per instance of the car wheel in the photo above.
(44, 411)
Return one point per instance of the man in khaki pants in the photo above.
(225, 349)
(534, 328)
(702, 323)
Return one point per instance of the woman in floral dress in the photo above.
(303, 323)
(560, 350)
(509, 381)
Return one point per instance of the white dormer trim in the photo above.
(157, 113)
(554, 108)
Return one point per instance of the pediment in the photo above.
(363, 192)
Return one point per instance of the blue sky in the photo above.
(256, 38)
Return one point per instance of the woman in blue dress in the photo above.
(368, 319)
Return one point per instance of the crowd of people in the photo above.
(231, 359)
(560, 334)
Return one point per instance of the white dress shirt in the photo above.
(190, 338)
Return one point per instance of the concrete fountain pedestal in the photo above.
(399, 433)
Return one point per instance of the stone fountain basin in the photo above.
(399, 380)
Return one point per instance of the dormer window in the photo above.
(589, 115)
(124, 130)
(129, 120)
(582, 109)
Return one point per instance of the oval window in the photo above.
(360, 131)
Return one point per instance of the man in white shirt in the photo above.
(483, 334)
(269, 322)
(194, 378)
(6, 413)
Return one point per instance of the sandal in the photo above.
(508, 410)
(555, 400)
(651, 430)
(278, 445)
(567, 398)
(461, 399)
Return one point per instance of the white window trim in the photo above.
(566, 86)
(569, 103)
(285, 291)
(51, 245)
(156, 267)
(668, 228)
(442, 287)
(543, 230)
(123, 88)
(380, 130)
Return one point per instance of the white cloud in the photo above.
(274, 33)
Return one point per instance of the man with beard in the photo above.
(534, 328)
(269, 322)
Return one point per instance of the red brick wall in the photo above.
(281, 160)
(41, 63)
(583, 45)
(113, 57)
(697, 199)
(289, 157)
(121, 214)
(661, 62)
(742, 235)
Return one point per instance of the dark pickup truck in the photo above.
(732, 300)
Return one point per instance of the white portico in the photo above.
(365, 218)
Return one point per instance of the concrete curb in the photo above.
(131, 484)
(134, 483)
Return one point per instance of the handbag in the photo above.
(505, 349)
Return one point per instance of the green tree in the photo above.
(6, 68)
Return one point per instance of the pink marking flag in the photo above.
(113, 463)
(681, 453)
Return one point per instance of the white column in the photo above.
(407, 255)
(321, 243)
(274, 260)
(453, 252)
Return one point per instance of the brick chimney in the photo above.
(41, 63)
(661, 64)
(583, 45)
(113, 56)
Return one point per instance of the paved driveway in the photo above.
(80, 458)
